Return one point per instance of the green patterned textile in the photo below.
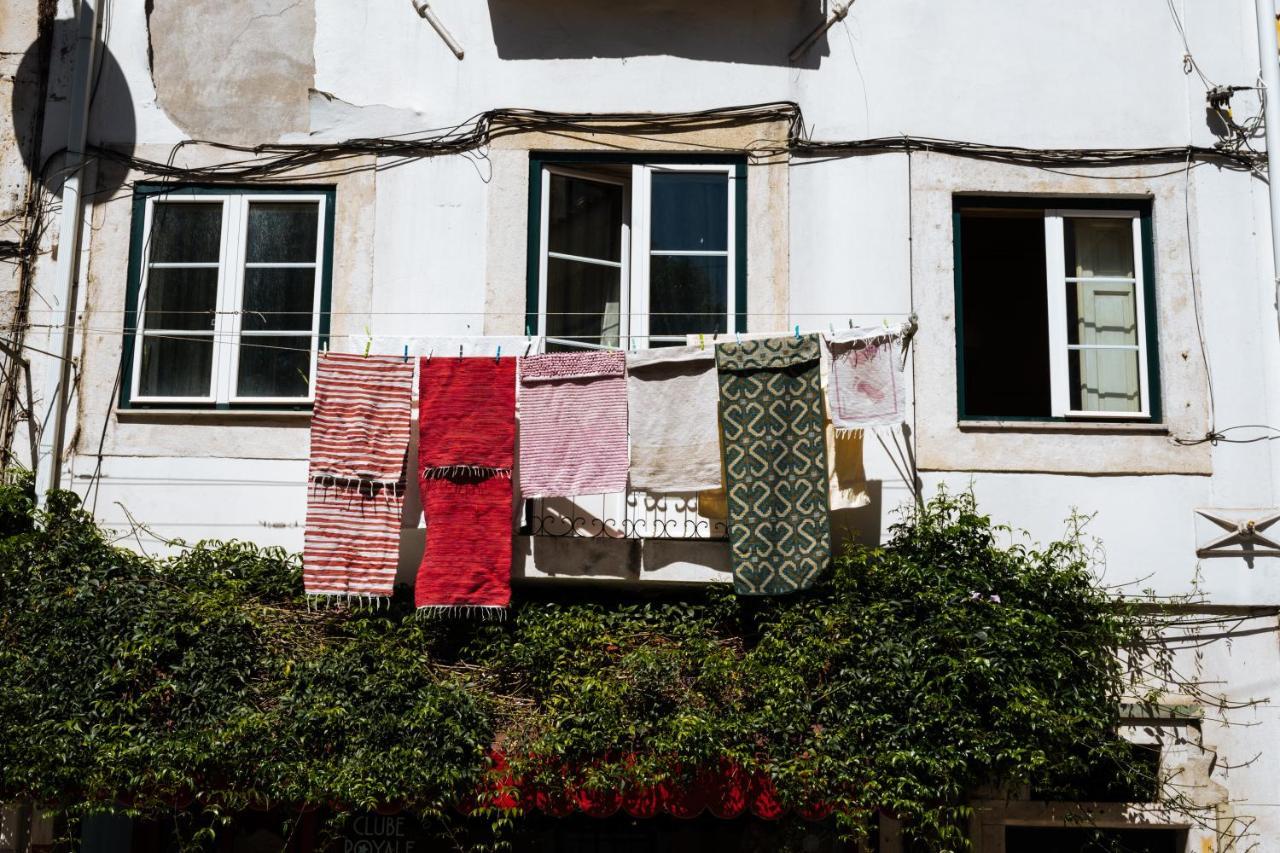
(775, 463)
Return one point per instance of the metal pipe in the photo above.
(1269, 59)
(837, 15)
(62, 340)
(423, 8)
(1269, 62)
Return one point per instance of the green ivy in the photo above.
(952, 659)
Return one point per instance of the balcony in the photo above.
(629, 536)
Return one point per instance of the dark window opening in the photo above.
(1006, 319)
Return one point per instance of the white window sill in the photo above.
(1099, 426)
(142, 414)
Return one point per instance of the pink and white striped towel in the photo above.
(573, 424)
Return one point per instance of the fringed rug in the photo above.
(360, 427)
(466, 446)
(771, 420)
(573, 424)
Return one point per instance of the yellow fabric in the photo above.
(847, 478)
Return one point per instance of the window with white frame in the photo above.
(635, 254)
(1055, 310)
(227, 302)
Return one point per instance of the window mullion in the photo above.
(626, 327)
(1140, 317)
(731, 276)
(640, 241)
(139, 320)
(227, 325)
(544, 228)
(1055, 281)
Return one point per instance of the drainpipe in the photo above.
(62, 339)
(1267, 56)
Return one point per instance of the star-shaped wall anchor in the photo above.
(1247, 533)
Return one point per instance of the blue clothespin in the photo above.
(406, 353)
(797, 331)
(498, 357)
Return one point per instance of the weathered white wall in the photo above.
(436, 247)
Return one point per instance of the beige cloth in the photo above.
(672, 396)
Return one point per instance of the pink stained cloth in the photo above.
(865, 385)
(573, 424)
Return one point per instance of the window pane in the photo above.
(1104, 380)
(274, 366)
(175, 366)
(583, 301)
(179, 298)
(186, 232)
(690, 211)
(585, 218)
(280, 232)
(1099, 247)
(688, 294)
(1005, 305)
(278, 299)
(1101, 313)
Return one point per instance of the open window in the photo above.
(635, 254)
(228, 297)
(1055, 310)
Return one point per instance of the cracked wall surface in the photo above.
(234, 72)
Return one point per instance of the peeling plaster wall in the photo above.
(234, 72)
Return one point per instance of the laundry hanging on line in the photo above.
(573, 424)
(866, 386)
(673, 418)
(466, 449)
(360, 427)
(771, 420)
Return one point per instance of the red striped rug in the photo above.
(466, 444)
(359, 437)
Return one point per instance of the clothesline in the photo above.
(418, 343)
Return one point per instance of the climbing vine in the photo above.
(952, 658)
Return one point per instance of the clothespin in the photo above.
(459, 350)
(406, 353)
(850, 322)
(528, 344)
(702, 342)
(368, 341)
(797, 331)
(737, 336)
(885, 322)
(325, 348)
(832, 327)
(497, 358)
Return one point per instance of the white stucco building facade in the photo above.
(427, 254)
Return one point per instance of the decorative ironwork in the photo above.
(628, 515)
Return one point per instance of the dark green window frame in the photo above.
(538, 160)
(145, 191)
(1152, 366)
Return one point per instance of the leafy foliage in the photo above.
(915, 675)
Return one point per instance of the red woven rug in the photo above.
(467, 433)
